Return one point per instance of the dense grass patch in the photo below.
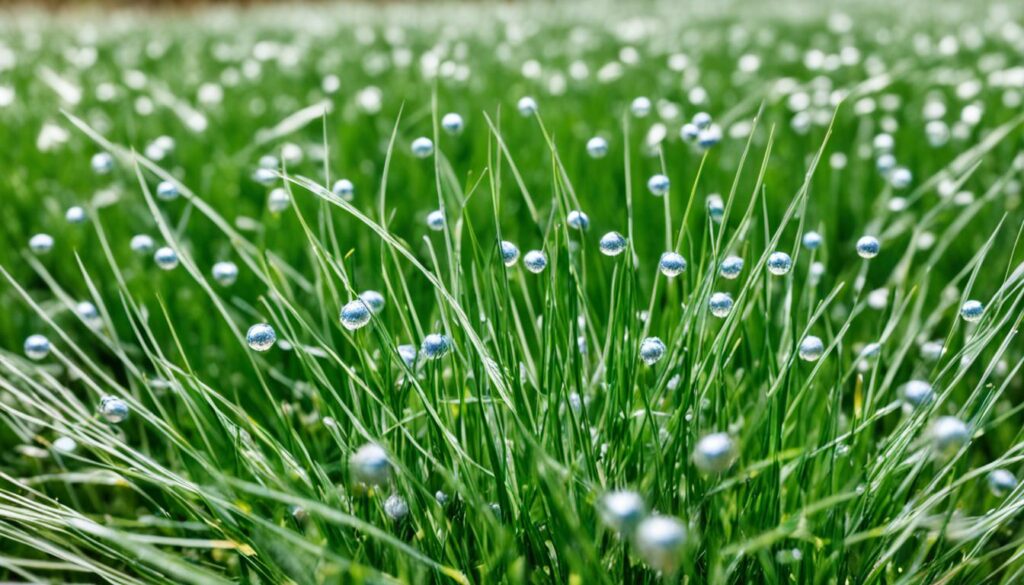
(608, 294)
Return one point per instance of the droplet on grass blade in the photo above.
(612, 244)
(779, 263)
(535, 261)
(731, 267)
(435, 220)
(900, 178)
(113, 409)
(75, 215)
(396, 507)
(344, 189)
(510, 253)
(373, 299)
(652, 350)
(812, 240)
(720, 304)
(917, 393)
(355, 314)
(640, 107)
(1001, 482)
(527, 106)
(88, 313)
(370, 465)
(622, 510)
(225, 273)
(167, 191)
(408, 354)
(868, 247)
(597, 147)
(41, 243)
(435, 346)
(660, 541)
(65, 445)
(972, 311)
(261, 337)
(578, 220)
(672, 264)
(714, 453)
(452, 123)
(166, 258)
(811, 348)
(422, 147)
(949, 434)
(141, 244)
(716, 207)
(37, 347)
(102, 163)
(658, 185)
(278, 200)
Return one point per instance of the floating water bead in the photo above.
(370, 465)
(113, 409)
(435, 346)
(885, 163)
(261, 337)
(577, 220)
(373, 299)
(917, 393)
(811, 348)
(408, 354)
(1001, 482)
(597, 147)
(278, 200)
(167, 191)
(88, 313)
(527, 106)
(37, 347)
(225, 273)
(720, 304)
(689, 132)
(396, 507)
(660, 541)
(166, 258)
(640, 107)
(612, 244)
(658, 185)
(652, 350)
(710, 136)
(900, 178)
(510, 254)
(716, 207)
(344, 189)
(868, 247)
(622, 510)
(812, 240)
(972, 311)
(535, 261)
(435, 220)
(141, 244)
(65, 445)
(672, 264)
(714, 453)
(102, 163)
(41, 243)
(422, 147)
(355, 314)
(75, 214)
(731, 267)
(949, 434)
(779, 263)
(452, 123)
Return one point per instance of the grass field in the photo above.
(719, 294)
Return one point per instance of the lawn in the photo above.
(524, 293)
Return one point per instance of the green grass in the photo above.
(233, 465)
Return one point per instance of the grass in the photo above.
(234, 465)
